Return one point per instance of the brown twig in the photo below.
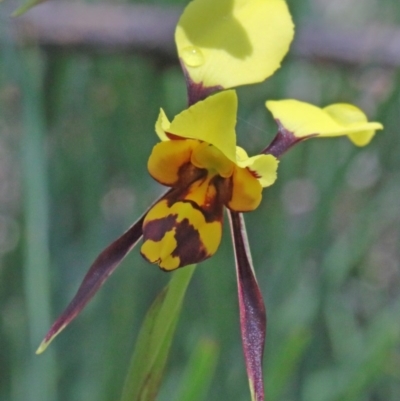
(149, 30)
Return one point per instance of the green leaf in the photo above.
(199, 372)
(152, 347)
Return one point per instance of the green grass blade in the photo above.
(41, 376)
(199, 372)
(154, 341)
(286, 362)
(26, 7)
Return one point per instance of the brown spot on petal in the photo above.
(190, 248)
(156, 229)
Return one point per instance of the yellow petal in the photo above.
(345, 114)
(161, 251)
(233, 42)
(209, 157)
(212, 120)
(241, 155)
(162, 125)
(167, 159)
(304, 119)
(263, 167)
(246, 191)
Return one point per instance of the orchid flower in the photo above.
(221, 44)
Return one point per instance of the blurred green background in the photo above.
(75, 133)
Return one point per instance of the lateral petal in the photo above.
(347, 114)
(304, 119)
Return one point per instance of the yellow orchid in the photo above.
(221, 44)
(199, 159)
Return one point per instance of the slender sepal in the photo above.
(101, 269)
(253, 320)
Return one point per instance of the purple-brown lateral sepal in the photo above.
(197, 92)
(253, 320)
(283, 141)
(98, 273)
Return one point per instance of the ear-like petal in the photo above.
(98, 273)
(246, 191)
(162, 125)
(264, 167)
(233, 42)
(168, 158)
(252, 310)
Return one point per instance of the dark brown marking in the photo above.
(188, 174)
(174, 137)
(209, 216)
(155, 229)
(214, 200)
(253, 173)
(190, 248)
(197, 92)
(224, 189)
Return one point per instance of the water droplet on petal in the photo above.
(193, 56)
